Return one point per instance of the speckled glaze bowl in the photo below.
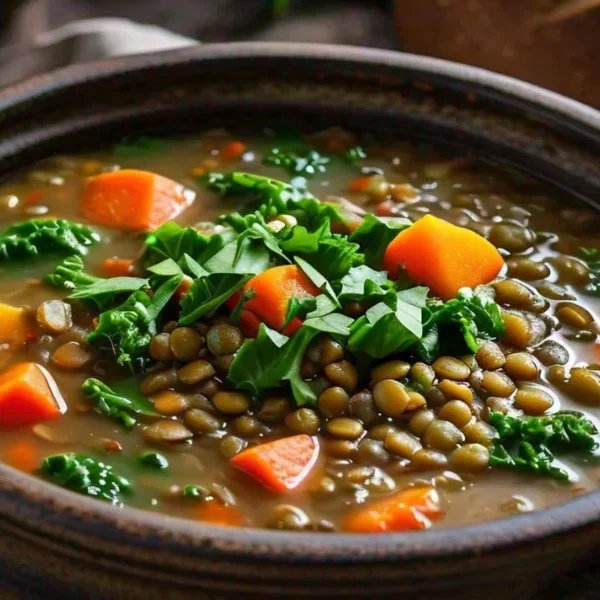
(55, 544)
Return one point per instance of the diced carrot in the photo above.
(22, 455)
(348, 225)
(217, 513)
(361, 184)
(233, 151)
(15, 327)
(411, 509)
(249, 323)
(442, 256)
(132, 200)
(273, 289)
(28, 395)
(184, 287)
(116, 267)
(33, 198)
(280, 465)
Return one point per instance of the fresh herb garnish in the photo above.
(592, 258)
(154, 460)
(138, 146)
(374, 235)
(354, 154)
(115, 405)
(307, 162)
(194, 491)
(86, 475)
(44, 237)
(531, 443)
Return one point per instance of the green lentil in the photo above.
(224, 339)
(390, 397)
(231, 403)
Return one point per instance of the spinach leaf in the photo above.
(317, 279)
(114, 405)
(592, 258)
(374, 235)
(363, 284)
(209, 293)
(86, 475)
(271, 358)
(531, 444)
(241, 256)
(43, 237)
(306, 162)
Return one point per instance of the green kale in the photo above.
(114, 405)
(363, 284)
(374, 235)
(44, 237)
(209, 293)
(272, 358)
(307, 162)
(128, 329)
(531, 444)
(154, 460)
(86, 475)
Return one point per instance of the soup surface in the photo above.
(299, 365)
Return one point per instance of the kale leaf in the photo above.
(86, 475)
(43, 237)
(112, 404)
(531, 443)
(374, 235)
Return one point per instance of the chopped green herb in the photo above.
(138, 146)
(307, 163)
(43, 237)
(86, 475)
(374, 235)
(194, 491)
(532, 443)
(355, 154)
(592, 258)
(153, 460)
(115, 405)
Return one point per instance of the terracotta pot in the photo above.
(56, 544)
(529, 39)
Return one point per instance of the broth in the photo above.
(460, 189)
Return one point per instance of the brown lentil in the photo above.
(186, 343)
(248, 426)
(274, 410)
(457, 412)
(447, 367)
(71, 355)
(479, 432)
(169, 403)
(166, 431)
(288, 518)
(303, 420)
(442, 435)
(490, 357)
(427, 459)
(340, 448)
(571, 270)
(331, 351)
(511, 237)
(393, 369)
(54, 316)
(209, 388)
(231, 403)
(502, 405)
(231, 445)
(422, 375)
(420, 421)
(527, 269)
(573, 315)
(372, 452)
(584, 386)
(390, 397)
(454, 390)
(514, 294)
(201, 421)
(415, 400)
(533, 400)
(334, 402)
(345, 428)
(401, 443)
(342, 374)
(363, 407)
(521, 366)
(551, 353)
(224, 339)
(160, 348)
(553, 291)
(195, 372)
(497, 384)
(469, 458)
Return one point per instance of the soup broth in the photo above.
(376, 426)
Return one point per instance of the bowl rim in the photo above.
(144, 527)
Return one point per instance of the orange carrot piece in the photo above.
(22, 455)
(361, 184)
(233, 151)
(411, 509)
(273, 291)
(280, 465)
(28, 395)
(15, 327)
(217, 513)
(132, 200)
(116, 267)
(184, 287)
(442, 256)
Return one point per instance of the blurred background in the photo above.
(554, 43)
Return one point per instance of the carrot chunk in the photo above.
(22, 455)
(28, 395)
(273, 291)
(442, 256)
(14, 325)
(132, 200)
(116, 267)
(411, 509)
(280, 465)
(217, 513)
(233, 151)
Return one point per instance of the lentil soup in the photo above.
(375, 338)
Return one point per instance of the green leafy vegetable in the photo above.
(114, 405)
(241, 256)
(355, 154)
(532, 443)
(128, 329)
(363, 284)
(194, 491)
(153, 460)
(374, 235)
(592, 258)
(43, 237)
(138, 146)
(86, 475)
(209, 293)
(272, 358)
(317, 279)
(307, 162)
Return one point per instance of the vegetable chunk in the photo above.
(14, 325)
(281, 465)
(442, 256)
(217, 513)
(411, 509)
(272, 292)
(132, 200)
(28, 395)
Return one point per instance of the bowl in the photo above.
(56, 544)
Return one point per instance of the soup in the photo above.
(373, 338)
